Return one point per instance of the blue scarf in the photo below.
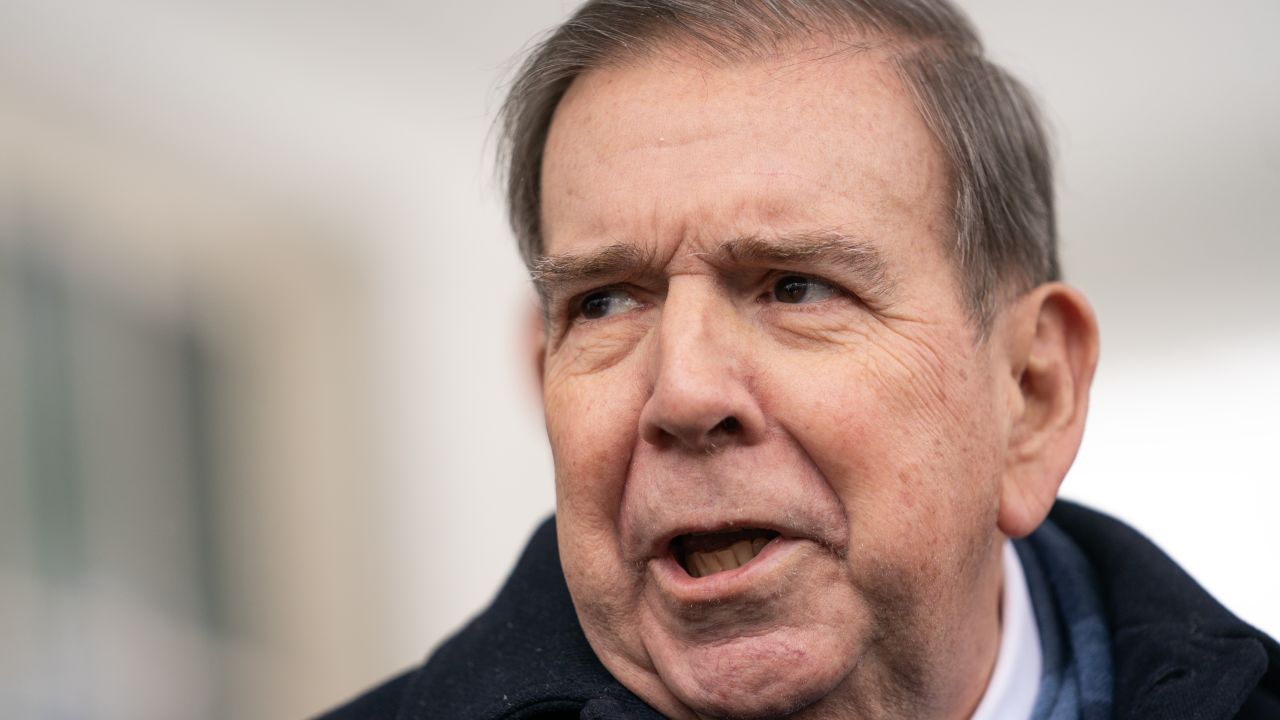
(1077, 679)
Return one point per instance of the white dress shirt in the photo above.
(1015, 681)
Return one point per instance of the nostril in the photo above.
(729, 425)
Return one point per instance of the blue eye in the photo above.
(603, 303)
(796, 289)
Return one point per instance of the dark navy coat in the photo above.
(1177, 653)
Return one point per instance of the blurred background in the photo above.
(266, 432)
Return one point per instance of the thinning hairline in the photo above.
(765, 32)
(826, 41)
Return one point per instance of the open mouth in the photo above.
(703, 554)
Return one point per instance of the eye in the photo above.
(796, 289)
(603, 303)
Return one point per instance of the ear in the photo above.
(1050, 336)
(535, 343)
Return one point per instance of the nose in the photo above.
(702, 397)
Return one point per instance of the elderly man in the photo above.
(811, 383)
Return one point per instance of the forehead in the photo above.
(670, 147)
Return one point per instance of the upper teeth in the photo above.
(740, 553)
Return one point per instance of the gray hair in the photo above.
(985, 120)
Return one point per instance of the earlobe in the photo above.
(1051, 337)
(535, 343)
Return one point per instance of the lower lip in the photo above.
(683, 587)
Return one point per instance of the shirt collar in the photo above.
(1015, 680)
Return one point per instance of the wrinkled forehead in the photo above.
(672, 145)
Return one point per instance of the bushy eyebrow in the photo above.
(557, 275)
(857, 257)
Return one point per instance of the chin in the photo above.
(776, 674)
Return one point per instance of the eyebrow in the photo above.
(856, 256)
(557, 275)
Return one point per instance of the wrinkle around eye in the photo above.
(597, 345)
(835, 316)
(819, 328)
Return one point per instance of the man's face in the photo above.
(777, 442)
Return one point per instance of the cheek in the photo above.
(586, 446)
(592, 397)
(901, 434)
(592, 424)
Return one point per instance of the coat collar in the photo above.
(1173, 645)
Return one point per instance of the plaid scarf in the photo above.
(1077, 680)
